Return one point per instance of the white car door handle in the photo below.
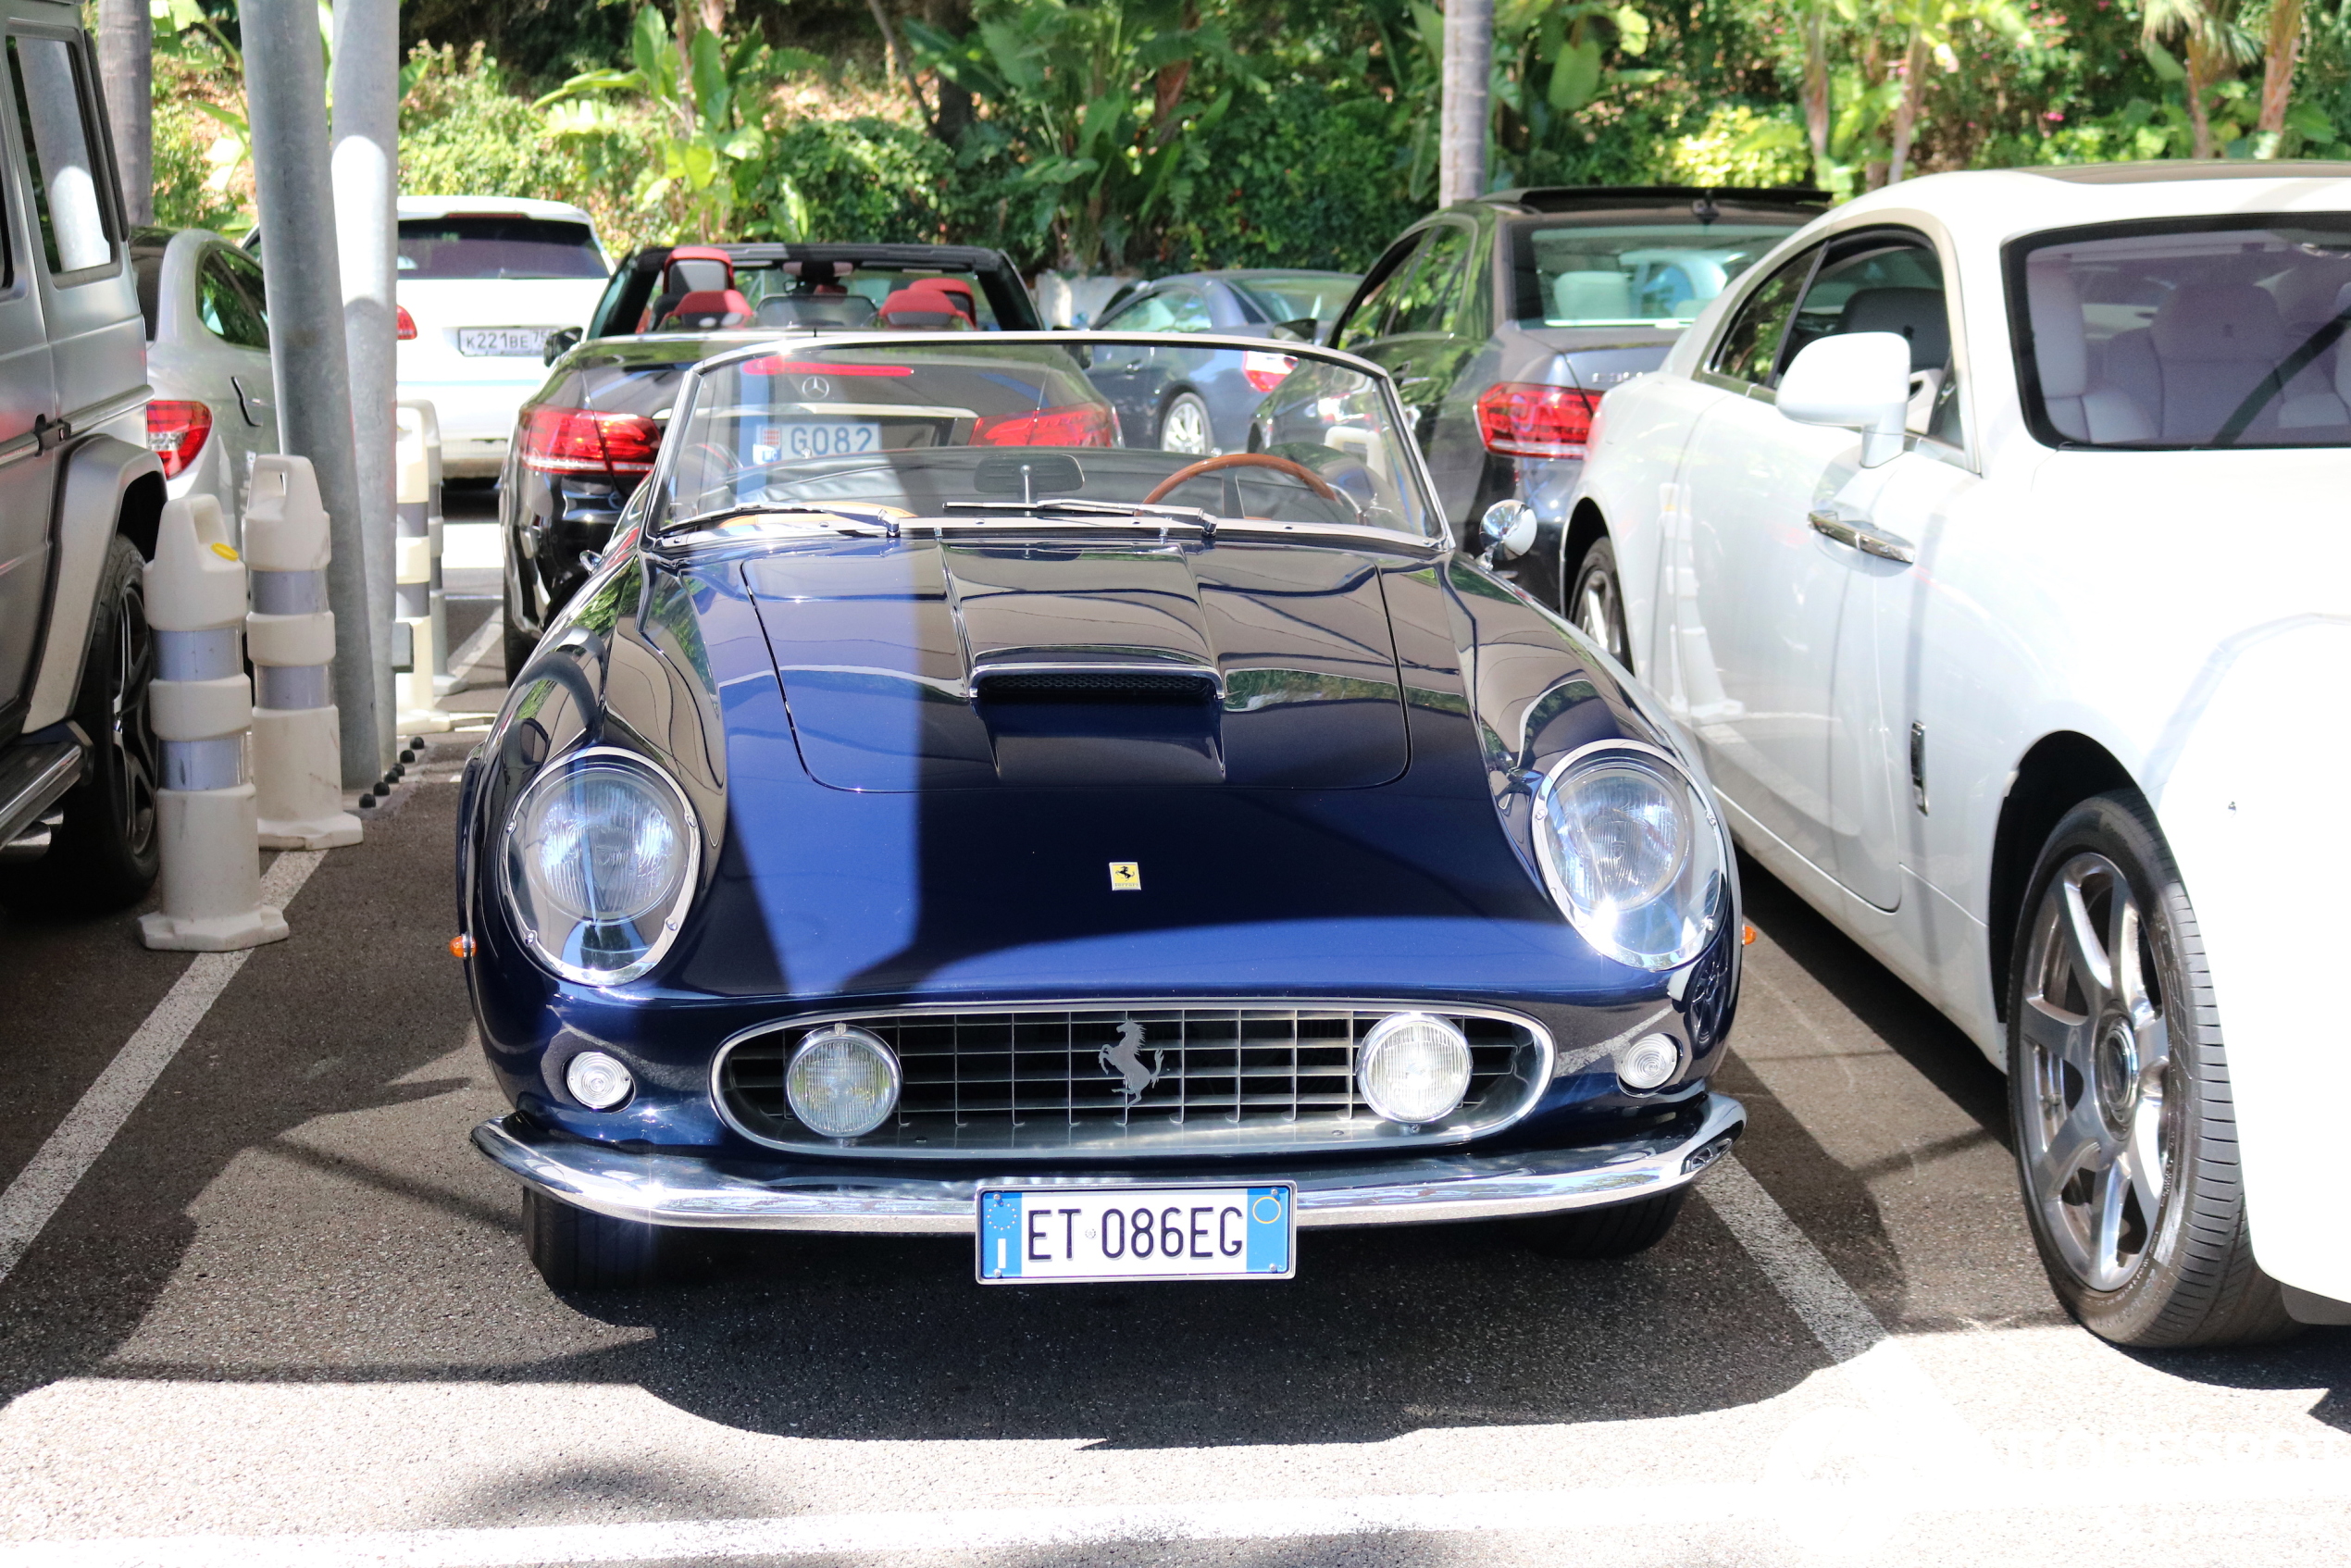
(246, 401)
(1870, 542)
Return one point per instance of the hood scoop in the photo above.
(915, 665)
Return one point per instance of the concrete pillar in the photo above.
(286, 95)
(366, 168)
(1469, 65)
(125, 76)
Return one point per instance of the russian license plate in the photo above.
(815, 438)
(502, 340)
(1067, 1235)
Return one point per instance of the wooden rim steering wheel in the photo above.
(1184, 476)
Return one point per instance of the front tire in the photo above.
(1184, 426)
(1594, 600)
(576, 1250)
(1618, 1231)
(2126, 1141)
(103, 855)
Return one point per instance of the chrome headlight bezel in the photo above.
(1704, 876)
(663, 921)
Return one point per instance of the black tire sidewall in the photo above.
(1600, 556)
(2199, 1283)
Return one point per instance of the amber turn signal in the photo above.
(462, 946)
(1747, 936)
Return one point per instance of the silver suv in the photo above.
(81, 495)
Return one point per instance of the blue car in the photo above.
(936, 816)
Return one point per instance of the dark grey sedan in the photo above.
(1178, 400)
(1504, 318)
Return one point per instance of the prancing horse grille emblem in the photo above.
(1125, 1059)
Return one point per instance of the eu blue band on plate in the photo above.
(1268, 1229)
(1000, 1235)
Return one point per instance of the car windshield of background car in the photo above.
(830, 296)
(491, 245)
(2217, 332)
(921, 428)
(1279, 300)
(1622, 275)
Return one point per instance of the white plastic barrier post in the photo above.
(297, 741)
(202, 706)
(413, 580)
(442, 681)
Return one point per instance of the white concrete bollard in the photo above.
(202, 706)
(414, 581)
(297, 746)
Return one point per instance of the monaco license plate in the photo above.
(1061, 1235)
(816, 438)
(502, 340)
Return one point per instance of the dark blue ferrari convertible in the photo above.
(937, 814)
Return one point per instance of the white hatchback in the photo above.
(1990, 536)
(483, 281)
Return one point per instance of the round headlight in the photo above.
(842, 1082)
(601, 853)
(1632, 853)
(597, 1081)
(1416, 1067)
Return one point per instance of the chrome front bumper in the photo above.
(675, 1189)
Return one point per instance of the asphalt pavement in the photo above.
(276, 1311)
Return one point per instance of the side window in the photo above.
(1427, 301)
(1188, 310)
(1887, 284)
(1749, 349)
(223, 307)
(246, 272)
(1149, 314)
(69, 191)
(1369, 318)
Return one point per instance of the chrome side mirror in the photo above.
(1507, 530)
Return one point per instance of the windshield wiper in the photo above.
(773, 508)
(1135, 510)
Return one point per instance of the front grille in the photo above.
(1038, 1082)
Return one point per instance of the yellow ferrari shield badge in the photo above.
(1126, 876)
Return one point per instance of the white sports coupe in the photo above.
(1992, 536)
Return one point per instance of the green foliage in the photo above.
(860, 179)
(1307, 176)
(462, 133)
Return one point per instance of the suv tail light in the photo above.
(403, 325)
(1525, 420)
(585, 440)
(1076, 424)
(1265, 371)
(177, 430)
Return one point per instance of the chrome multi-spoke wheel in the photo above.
(2101, 1147)
(1596, 603)
(2126, 1143)
(1184, 426)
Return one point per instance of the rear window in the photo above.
(489, 245)
(1297, 299)
(1645, 274)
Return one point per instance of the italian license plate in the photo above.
(501, 340)
(813, 438)
(1031, 1235)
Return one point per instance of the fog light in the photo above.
(842, 1082)
(1415, 1068)
(1653, 1060)
(597, 1081)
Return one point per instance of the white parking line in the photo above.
(41, 1187)
(1581, 1513)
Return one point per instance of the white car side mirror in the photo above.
(1856, 380)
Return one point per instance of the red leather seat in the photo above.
(707, 309)
(926, 304)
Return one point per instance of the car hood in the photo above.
(944, 664)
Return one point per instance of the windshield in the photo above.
(494, 245)
(1632, 274)
(1013, 425)
(2206, 332)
